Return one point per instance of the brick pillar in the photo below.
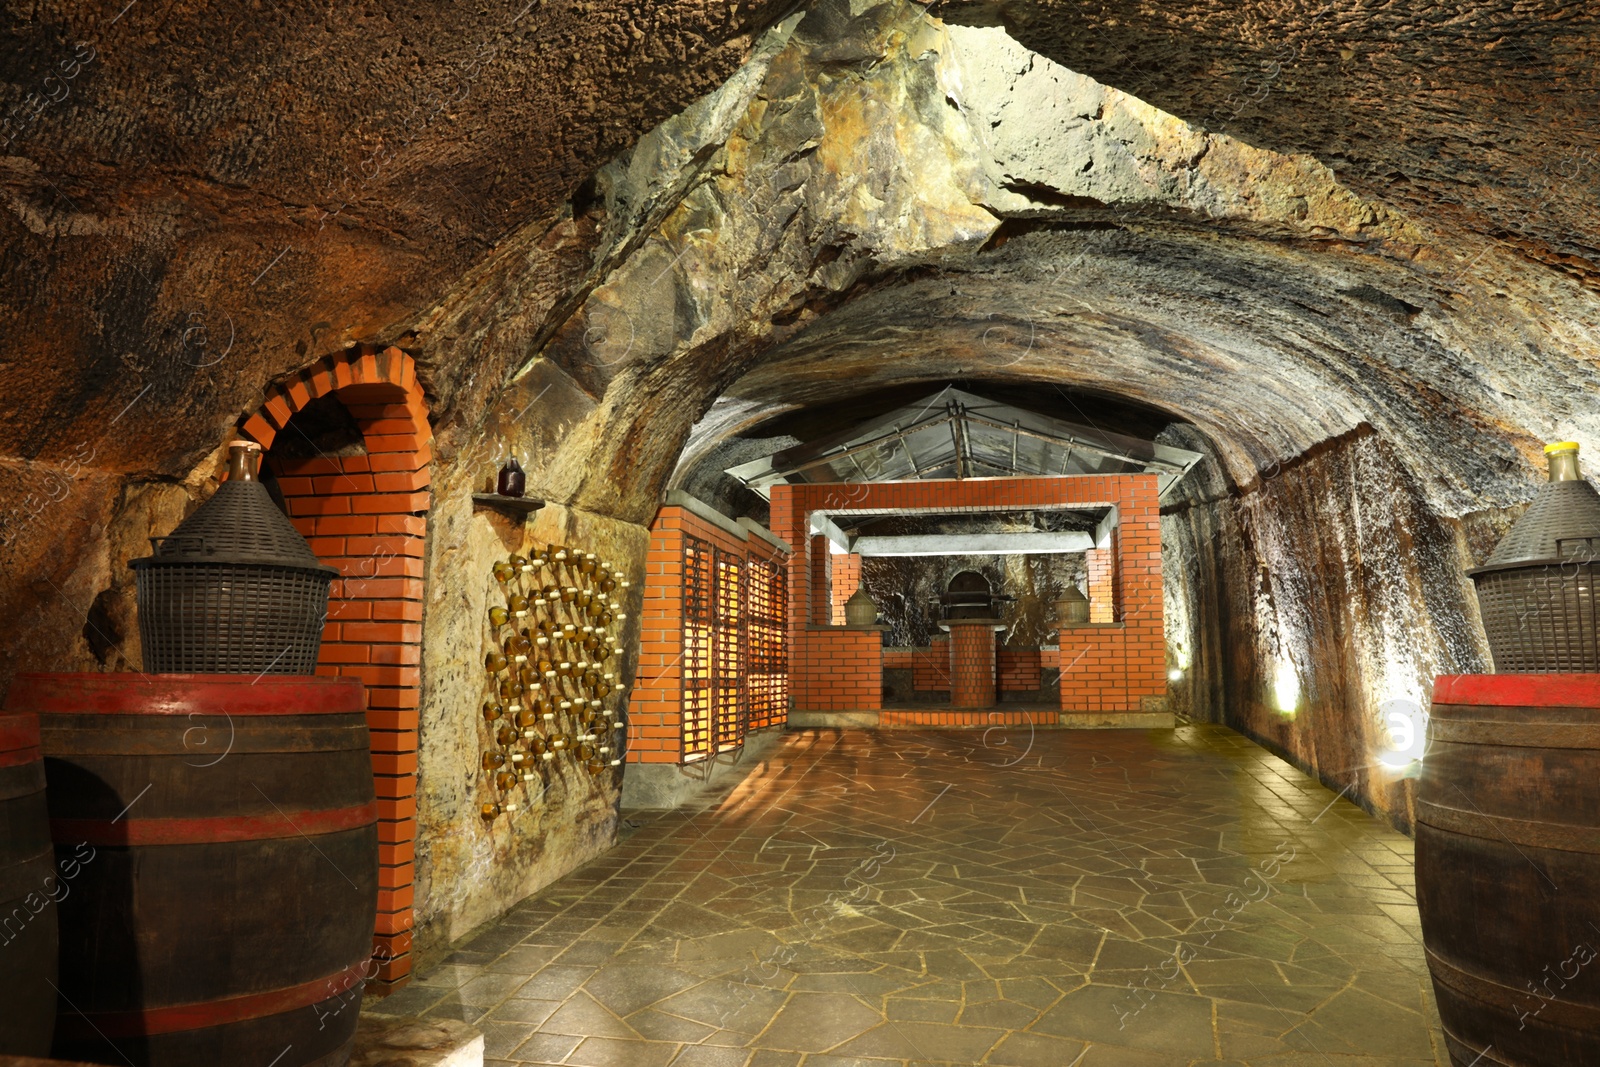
(972, 681)
(821, 603)
(844, 580)
(1101, 582)
(366, 515)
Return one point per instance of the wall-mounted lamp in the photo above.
(1286, 688)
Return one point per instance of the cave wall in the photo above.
(1305, 605)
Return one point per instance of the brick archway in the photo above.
(366, 514)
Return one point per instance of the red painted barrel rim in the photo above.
(18, 731)
(1518, 690)
(19, 757)
(214, 830)
(180, 1017)
(185, 694)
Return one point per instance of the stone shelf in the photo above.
(515, 506)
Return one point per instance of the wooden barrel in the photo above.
(1508, 867)
(226, 836)
(29, 889)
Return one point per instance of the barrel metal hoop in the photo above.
(1485, 990)
(20, 879)
(1516, 734)
(183, 694)
(18, 732)
(21, 781)
(197, 738)
(18, 756)
(214, 830)
(180, 1017)
(1561, 837)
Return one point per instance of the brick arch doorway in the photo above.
(348, 443)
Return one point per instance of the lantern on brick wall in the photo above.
(1072, 608)
(860, 609)
(234, 589)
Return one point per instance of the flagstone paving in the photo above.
(1057, 899)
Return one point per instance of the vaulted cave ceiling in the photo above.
(1277, 224)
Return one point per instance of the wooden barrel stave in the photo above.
(1508, 868)
(233, 883)
(28, 891)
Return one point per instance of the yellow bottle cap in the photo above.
(1560, 446)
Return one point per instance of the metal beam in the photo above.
(1075, 442)
(973, 544)
(892, 435)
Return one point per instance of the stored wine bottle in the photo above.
(546, 624)
(586, 565)
(569, 594)
(493, 760)
(498, 616)
(506, 735)
(542, 557)
(527, 717)
(518, 604)
(492, 711)
(491, 810)
(608, 585)
(504, 572)
(495, 661)
(505, 780)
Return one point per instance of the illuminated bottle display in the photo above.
(552, 675)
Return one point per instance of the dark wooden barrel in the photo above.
(226, 837)
(29, 889)
(1508, 867)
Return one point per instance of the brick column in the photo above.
(821, 600)
(844, 579)
(366, 515)
(972, 681)
(1102, 601)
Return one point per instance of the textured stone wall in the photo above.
(1301, 607)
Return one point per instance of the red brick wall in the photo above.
(820, 553)
(1113, 667)
(837, 670)
(655, 710)
(367, 516)
(1020, 669)
(843, 581)
(1098, 563)
(931, 666)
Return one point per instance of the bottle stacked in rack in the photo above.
(553, 663)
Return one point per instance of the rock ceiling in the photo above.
(1276, 223)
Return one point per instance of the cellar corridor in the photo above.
(1007, 898)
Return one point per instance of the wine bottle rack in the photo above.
(554, 673)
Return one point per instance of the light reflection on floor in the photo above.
(1021, 899)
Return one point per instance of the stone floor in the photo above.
(1049, 899)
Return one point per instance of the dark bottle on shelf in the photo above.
(512, 480)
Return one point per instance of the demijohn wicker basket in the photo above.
(1537, 590)
(234, 589)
